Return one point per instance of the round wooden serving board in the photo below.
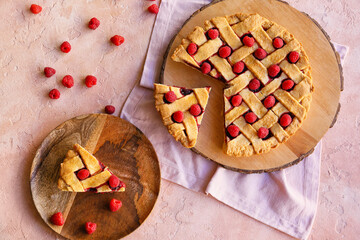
(119, 145)
(327, 78)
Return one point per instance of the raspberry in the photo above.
(233, 130)
(54, 94)
(287, 84)
(115, 205)
(250, 117)
(117, 40)
(153, 9)
(195, 110)
(94, 23)
(170, 97)
(236, 100)
(260, 54)
(57, 219)
(278, 43)
(224, 51)
(263, 132)
(285, 120)
(109, 109)
(273, 70)
(90, 81)
(205, 68)
(248, 41)
(90, 227)
(178, 116)
(65, 47)
(254, 84)
(269, 101)
(114, 181)
(122, 186)
(82, 174)
(192, 48)
(35, 9)
(49, 72)
(238, 67)
(68, 81)
(293, 57)
(213, 33)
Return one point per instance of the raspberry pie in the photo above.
(82, 172)
(181, 110)
(267, 75)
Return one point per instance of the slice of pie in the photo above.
(82, 172)
(181, 110)
(267, 74)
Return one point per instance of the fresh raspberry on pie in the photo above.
(35, 9)
(287, 84)
(94, 23)
(90, 81)
(109, 109)
(49, 72)
(263, 132)
(115, 205)
(213, 33)
(114, 181)
(238, 67)
(57, 219)
(293, 57)
(248, 41)
(178, 116)
(250, 117)
(254, 84)
(122, 186)
(153, 9)
(260, 53)
(233, 130)
(68, 81)
(236, 100)
(278, 43)
(224, 51)
(273, 70)
(54, 94)
(285, 120)
(170, 97)
(82, 174)
(269, 101)
(205, 68)
(65, 47)
(192, 48)
(117, 40)
(90, 227)
(195, 110)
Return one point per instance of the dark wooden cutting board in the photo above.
(119, 145)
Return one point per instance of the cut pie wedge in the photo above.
(82, 172)
(182, 111)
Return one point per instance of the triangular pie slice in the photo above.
(181, 110)
(82, 172)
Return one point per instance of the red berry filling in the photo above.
(192, 48)
(195, 110)
(90, 81)
(117, 40)
(109, 109)
(114, 182)
(83, 174)
(278, 43)
(94, 23)
(170, 97)
(224, 51)
(250, 117)
(254, 85)
(35, 9)
(260, 54)
(65, 47)
(153, 9)
(178, 116)
(248, 41)
(54, 94)
(285, 120)
(233, 131)
(236, 100)
(90, 227)
(274, 71)
(57, 219)
(287, 84)
(269, 101)
(115, 205)
(48, 71)
(293, 57)
(238, 67)
(185, 91)
(68, 81)
(263, 132)
(213, 33)
(205, 68)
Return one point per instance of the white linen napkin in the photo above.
(285, 200)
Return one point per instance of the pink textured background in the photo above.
(30, 42)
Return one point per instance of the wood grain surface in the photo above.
(327, 79)
(119, 145)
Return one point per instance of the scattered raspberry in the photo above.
(263, 132)
(293, 57)
(57, 219)
(90, 81)
(49, 72)
(236, 100)
(54, 94)
(153, 9)
(109, 109)
(248, 41)
(250, 117)
(192, 48)
(117, 40)
(178, 116)
(195, 110)
(254, 84)
(65, 47)
(90, 227)
(213, 33)
(224, 51)
(285, 120)
(278, 43)
(238, 67)
(114, 181)
(233, 130)
(260, 54)
(287, 84)
(273, 70)
(170, 97)
(94, 23)
(35, 9)
(269, 101)
(82, 174)
(68, 81)
(205, 68)
(115, 205)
